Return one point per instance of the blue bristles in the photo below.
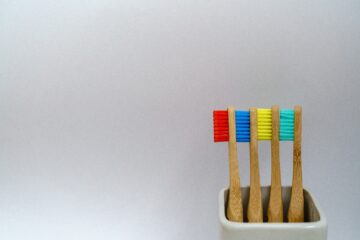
(242, 126)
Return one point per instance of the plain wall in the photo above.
(106, 111)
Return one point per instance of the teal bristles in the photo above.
(286, 125)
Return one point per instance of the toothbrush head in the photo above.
(221, 126)
(242, 126)
(264, 123)
(286, 125)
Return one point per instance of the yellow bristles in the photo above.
(264, 123)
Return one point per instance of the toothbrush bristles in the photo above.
(221, 126)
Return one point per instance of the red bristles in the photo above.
(221, 126)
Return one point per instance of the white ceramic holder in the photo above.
(313, 228)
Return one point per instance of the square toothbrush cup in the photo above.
(313, 228)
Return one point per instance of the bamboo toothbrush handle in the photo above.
(234, 210)
(296, 208)
(255, 213)
(275, 210)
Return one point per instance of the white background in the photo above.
(106, 111)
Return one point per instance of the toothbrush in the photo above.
(254, 212)
(225, 130)
(296, 208)
(275, 209)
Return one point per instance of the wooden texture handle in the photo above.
(255, 213)
(275, 209)
(296, 208)
(234, 209)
